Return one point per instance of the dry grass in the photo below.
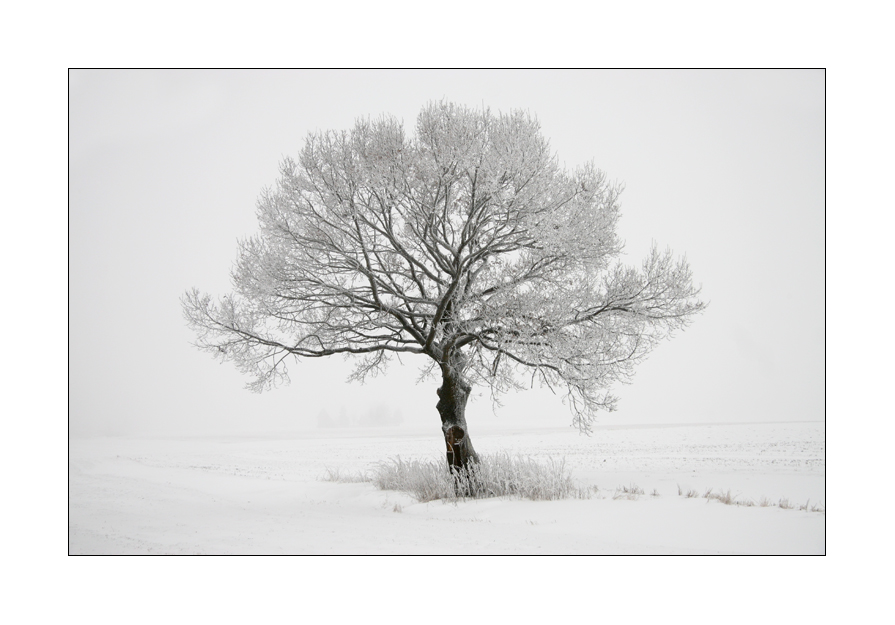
(729, 499)
(586, 492)
(627, 492)
(501, 475)
(726, 498)
(336, 475)
(504, 475)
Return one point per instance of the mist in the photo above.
(726, 167)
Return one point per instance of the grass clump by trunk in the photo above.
(501, 475)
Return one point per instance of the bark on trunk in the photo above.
(452, 397)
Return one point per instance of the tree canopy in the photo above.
(466, 243)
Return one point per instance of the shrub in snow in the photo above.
(501, 475)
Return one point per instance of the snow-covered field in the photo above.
(266, 495)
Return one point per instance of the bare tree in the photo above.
(466, 243)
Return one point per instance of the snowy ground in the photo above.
(265, 495)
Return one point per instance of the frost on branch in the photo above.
(466, 243)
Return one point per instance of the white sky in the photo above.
(726, 167)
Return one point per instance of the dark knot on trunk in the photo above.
(457, 457)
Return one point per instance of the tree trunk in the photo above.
(452, 397)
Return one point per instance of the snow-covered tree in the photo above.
(467, 244)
